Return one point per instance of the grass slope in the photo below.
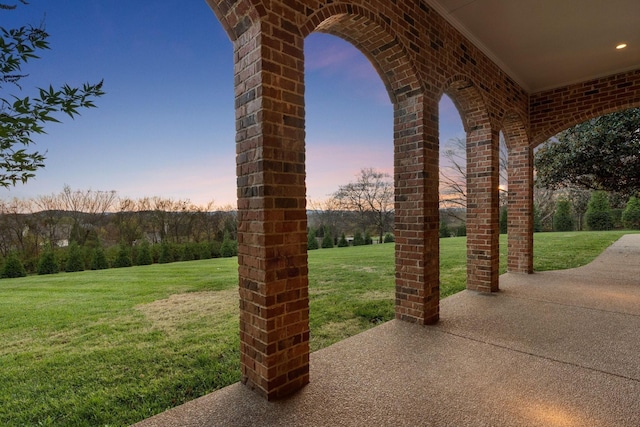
(112, 347)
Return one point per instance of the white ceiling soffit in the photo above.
(544, 44)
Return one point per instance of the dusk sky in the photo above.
(165, 126)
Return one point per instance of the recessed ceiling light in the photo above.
(621, 46)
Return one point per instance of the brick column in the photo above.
(272, 237)
(416, 221)
(520, 208)
(483, 210)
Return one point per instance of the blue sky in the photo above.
(166, 124)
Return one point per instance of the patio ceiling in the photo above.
(543, 44)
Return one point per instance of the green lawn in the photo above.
(112, 347)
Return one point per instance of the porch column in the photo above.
(520, 208)
(483, 209)
(272, 236)
(416, 205)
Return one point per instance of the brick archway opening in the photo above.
(416, 259)
(349, 129)
(482, 146)
(520, 199)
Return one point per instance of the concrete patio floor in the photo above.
(558, 348)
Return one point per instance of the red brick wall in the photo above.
(555, 110)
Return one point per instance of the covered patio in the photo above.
(543, 349)
(528, 69)
(558, 348)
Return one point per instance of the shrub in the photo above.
(13, 267)
(165, 253)
(229, 248)
(444, 229)
(342, 243)
(204, 251)
(75, 259)
(358, 240)
(312, 242)
(188, 252)
(461, 230)
(47, 264)
(327, 241)
(537, 221)
(504, 223)
(562, 219)
(144, 254)
(123, 258)
(214, 247)
(631, 214)
(367, 239)
(389, 238)
(99, 260)
(598, 214)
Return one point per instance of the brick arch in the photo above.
(581, 117)
(469, 102)
(482, 183)
(235, 17)
(520, 199)
(557, 109)
(364, 29)
(514, 129)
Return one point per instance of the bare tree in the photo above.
(328, 213)
(453, 176)
(372, 196)
(50, 216)
(579, 199)
(87, 208)
(202, 222)
(127, 221)
(545, 205)
(14, 226)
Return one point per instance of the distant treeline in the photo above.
(100, 222)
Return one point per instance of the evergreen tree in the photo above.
(312, 242)
(165, 253)
(563, 220)
(327, 241)
(204, 250)
(537, 221)
(144, 254)
(631, 214)
(214, 248)
(368, 240)
(75, 259)
(99, 260)
(48, 264)
(389, 238)
(228, 248)
(358, 240)
(444, 229)
(504, 224)
(342, 243)
(189, 252)
(92, 240)
(123, 259)
(598, 214)
(13, 266)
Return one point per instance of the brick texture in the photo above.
(555, 110)
(419, 57)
